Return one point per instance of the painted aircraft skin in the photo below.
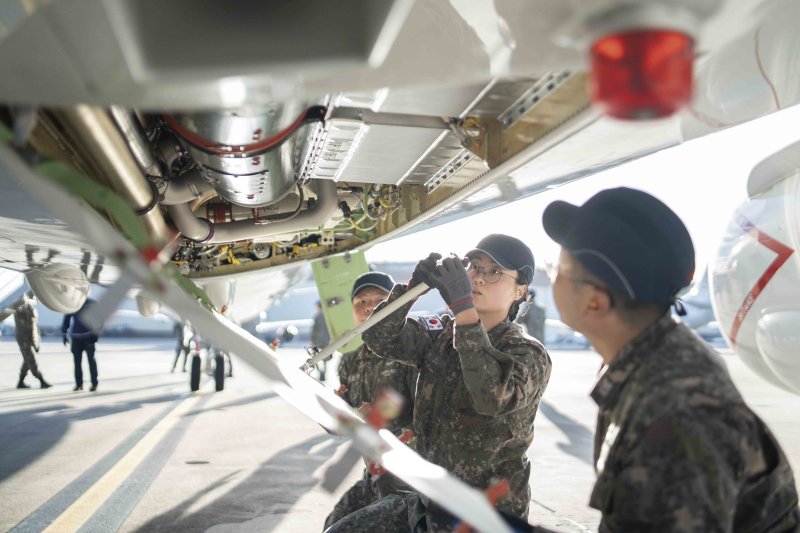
(755, 278)
(380, 147)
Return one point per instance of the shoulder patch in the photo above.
(432, 323)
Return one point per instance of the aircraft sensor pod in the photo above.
(148, 307)
(60, 287)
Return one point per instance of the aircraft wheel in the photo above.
(194, 381)
(219, 372)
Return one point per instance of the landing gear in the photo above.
(219, 372)
(215, 365)
(194, 380)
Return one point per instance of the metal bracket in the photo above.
(544, 86)
(449, 168)
(380, 118)
(524, 123)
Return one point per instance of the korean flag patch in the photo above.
(432, 323)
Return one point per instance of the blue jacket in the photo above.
(79, 329)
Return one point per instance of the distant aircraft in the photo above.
(236, 145)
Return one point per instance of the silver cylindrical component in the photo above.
(239, 152)
(99, 137)
(186, 188)
(137, 140)
(219, 212)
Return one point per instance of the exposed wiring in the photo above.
(355, 225)
(365, 205)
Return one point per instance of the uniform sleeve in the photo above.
(398, 337)
(501, 381)
(36, 332)
(65, 323)
(681, 476)
(346, 376)
(397, 377)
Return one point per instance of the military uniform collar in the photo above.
(614, 376)
(499, 330)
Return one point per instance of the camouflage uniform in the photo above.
(28, 337)
(676, 447)
(477, 396)
(364, 374)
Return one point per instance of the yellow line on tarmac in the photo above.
(84, 507)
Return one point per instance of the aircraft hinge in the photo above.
(528, 120)
(532, 97)
(450, 168)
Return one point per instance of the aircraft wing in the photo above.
(258, 140)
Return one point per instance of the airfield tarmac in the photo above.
(143, 454)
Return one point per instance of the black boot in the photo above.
(43, 384)
(22, 385)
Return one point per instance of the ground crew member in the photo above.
(480, 382)
(184, 332)
(83, 340)
(319, 336)
(364, 375)
(534, 318)
(676, 447)
(26, 323)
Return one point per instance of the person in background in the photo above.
(184, 333)
(320, 337)
(534, 318)
(83, 340)
(480, 383)
(26, 323)
(363, 376)
(676, 446)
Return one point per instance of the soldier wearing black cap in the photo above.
(676, 447)
(364, 375)
(480, 382)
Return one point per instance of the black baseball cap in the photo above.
(628, 239)
(379, 280)
(508, 252)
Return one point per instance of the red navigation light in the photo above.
(642, 74)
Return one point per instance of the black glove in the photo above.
(423, 270)
(65, 340)
(454, 285)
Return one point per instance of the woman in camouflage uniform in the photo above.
(480, 382)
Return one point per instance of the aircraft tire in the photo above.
(194, 381)
(219, 372)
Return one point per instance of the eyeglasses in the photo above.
(553, 272)
(490, 274)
